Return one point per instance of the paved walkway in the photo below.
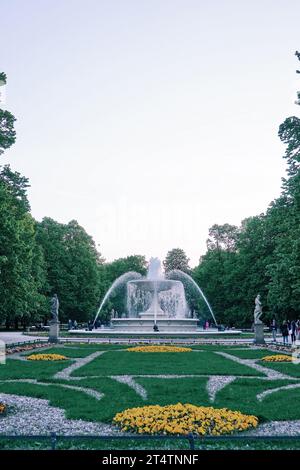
(18, 337)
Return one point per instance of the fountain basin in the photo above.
(145, 325)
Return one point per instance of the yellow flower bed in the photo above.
(159, 349)
(277, 358)
(2, 408)
(183, 419)
(46, 357)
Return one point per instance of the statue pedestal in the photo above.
(54, 331)
(259, 333)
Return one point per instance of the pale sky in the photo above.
(149, 120)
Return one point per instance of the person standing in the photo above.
(274, 328)
(293, 331)
(298, 329)
(285, 333)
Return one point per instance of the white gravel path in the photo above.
(87, 391)
(277, 428)
(65, 374)
(264, 394)
(129, 380)
(216, 383)
(270, 373)
(35, 416)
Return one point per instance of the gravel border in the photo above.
(129, 380)
(265, 393)
(216, 383)
(276, 428)
(87, 391)
(270, 373)
(35, 416)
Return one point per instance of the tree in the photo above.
(222, 237)
(284, 270)
(21, 263)
(176, 259)
(7, 120)
(3, 78)
(72, 267)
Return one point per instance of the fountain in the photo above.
(154, 302)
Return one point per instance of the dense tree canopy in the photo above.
(176, 259)
(21, 262)
(72, 267)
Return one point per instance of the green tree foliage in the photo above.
(215, 273)
(176, 259)
(284, 270)
(222, 237)
(7, 120)
(21, 262)
(3, 78)
(72, 263)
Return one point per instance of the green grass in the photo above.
(172, 391)
(249, 353)
(89, 444)
(239, 395)
(149, 444)
(285, 368)
(133, 363)
(15, 369)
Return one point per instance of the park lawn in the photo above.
(134, 363)
(249, 353)
(77, 404)
(175, 390)
(131, 443)
(241, 395)
(16, 369)
(284, 367)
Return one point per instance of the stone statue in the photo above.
(54, 308)
(258, 310)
